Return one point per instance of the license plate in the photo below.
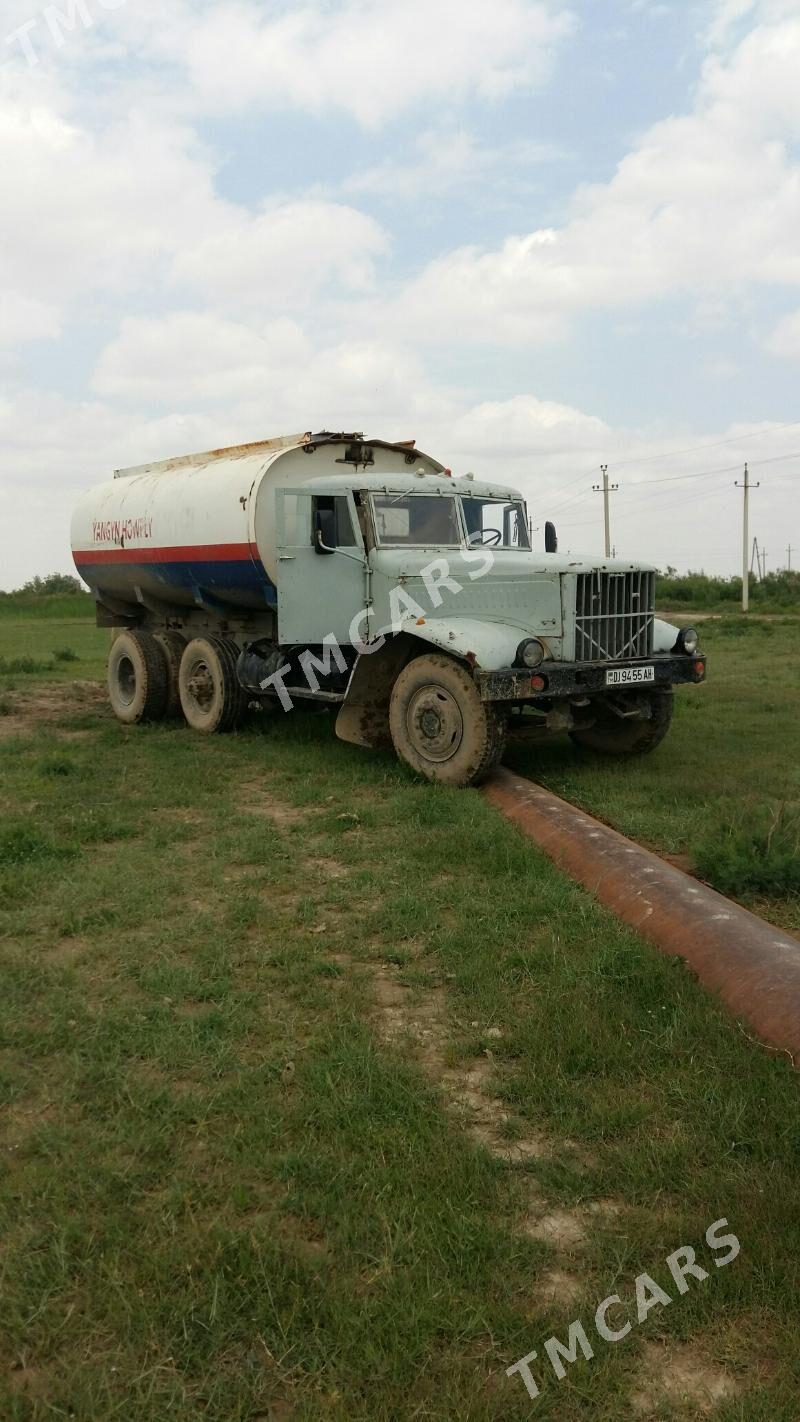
(629, 676)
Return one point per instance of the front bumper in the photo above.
(565, 679)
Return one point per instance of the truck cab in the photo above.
(422, 603)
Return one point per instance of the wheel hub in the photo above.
(201, 686)
(434, 722)
(126, 680)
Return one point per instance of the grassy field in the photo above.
(324, 1096)
(727, 775)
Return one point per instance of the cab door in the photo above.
(319, 594)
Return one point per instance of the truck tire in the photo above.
(212, 698)
(612, 735)
(173, 644)
(138, 678)
(440, 726)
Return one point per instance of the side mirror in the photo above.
(325, 531)
(550, 538)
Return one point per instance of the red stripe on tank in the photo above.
(199, 553)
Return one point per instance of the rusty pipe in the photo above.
(751, 965)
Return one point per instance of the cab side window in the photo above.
(337, 503)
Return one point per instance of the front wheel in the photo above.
(627, 735)
(440, 726)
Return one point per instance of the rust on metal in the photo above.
(751, 965)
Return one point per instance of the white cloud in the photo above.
(706, 204)
(92, 217)
(23, 319)
(276, 372)
(727, 16)
(96, 213)
(285, 256)
(784, 340)
(193, 358)
(111, 206)
(372, 59)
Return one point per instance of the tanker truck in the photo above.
(360, 574)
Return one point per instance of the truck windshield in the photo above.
(416, 520)
(498, 523)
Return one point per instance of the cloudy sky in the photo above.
(536, 237)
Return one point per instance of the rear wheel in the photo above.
(617, 735)
(138, 679)
(440, 726)
(212, 698)
(172, 644)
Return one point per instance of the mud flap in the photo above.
(364, 718)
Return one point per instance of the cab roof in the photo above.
(375, 482)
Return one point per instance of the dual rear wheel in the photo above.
(151, 677)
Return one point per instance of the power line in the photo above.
(659, 508)
(719, 469)
(715, 444)
(646, 484)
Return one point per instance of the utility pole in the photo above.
(763, 564)
(747, 486)
(605, 489)
(789, 552)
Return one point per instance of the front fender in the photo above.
(489, 645)
(664, 635)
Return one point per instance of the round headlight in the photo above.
(530, 653)
(688, 641)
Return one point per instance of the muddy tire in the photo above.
(610, 735)
(439, 725)
(138, 678)
(173, 645)
(212, 698)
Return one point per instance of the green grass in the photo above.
(46, 607)
(732, 758)
(59, 649)
(228, 1193)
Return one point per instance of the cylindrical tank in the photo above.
(204, 524)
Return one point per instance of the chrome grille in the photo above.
(614, 616)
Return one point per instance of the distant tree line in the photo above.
(54, 585)
(776, 592)
(56, 595)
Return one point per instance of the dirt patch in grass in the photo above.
(422, 1016)
(67, 950)
(257, 801)
(679, 1376)
(564, 1229)
(557, 1287)
(570, 1229)
(328, 868)
(49, 706)
(28, 1382)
